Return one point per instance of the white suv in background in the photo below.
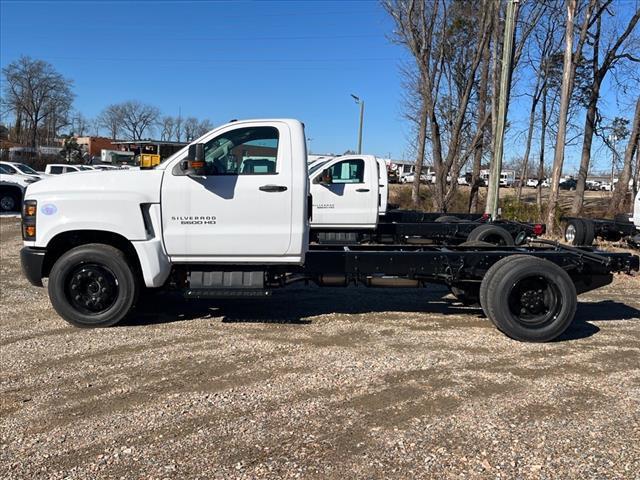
(58, 168)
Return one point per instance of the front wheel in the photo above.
(93, 286)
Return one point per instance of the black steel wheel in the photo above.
(531, 299)
(93, 286)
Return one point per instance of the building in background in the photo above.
(93, 145)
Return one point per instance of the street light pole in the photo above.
(360, 102)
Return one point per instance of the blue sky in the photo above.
(224, 60)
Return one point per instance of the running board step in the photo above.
(203, 293)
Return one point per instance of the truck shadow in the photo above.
(297, 306)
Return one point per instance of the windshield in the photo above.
(26, 169)
(317, 166)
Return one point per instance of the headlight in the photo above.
(29, 211)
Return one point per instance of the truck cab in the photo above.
(249, 182)
(346, 193)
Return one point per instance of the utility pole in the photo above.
(360, 102)
(505, 84)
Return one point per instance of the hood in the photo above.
(143, 184)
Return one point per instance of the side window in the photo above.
(56, 170)
(7, 169)
(245, 151)
(349, 171)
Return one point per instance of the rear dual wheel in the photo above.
(579, 231)
(528, 298)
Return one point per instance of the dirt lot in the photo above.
(315, 383)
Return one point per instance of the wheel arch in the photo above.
(65, 241)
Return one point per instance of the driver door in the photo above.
(241, 206)
(348, 196)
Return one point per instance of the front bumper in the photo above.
(32, 260)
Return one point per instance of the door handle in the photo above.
(362, 190)
(273, 188)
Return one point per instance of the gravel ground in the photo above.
(315, 383)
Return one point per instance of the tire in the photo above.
(574, 232)
(488, 276)
(447, 219)
(531, 300)
(93, 286)
(589, 232)
(9, 202)
(492, 234)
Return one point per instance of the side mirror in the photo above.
(194, 162)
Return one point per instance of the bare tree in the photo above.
(79, 124)
(138, 118)
(203, 127)
(35, 92)
(614, 54)
(167, 128)
(620, 193)
(111, 119)
(636, 175)
(446, 40)
(481, 127)
(190, 128)
(570, 62)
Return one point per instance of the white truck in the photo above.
(350, 205)
(212, 224)
(60, 168)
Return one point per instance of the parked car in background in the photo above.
(532, 182)
(12, 188)
(568, 184)
(409, 178)
(606, 186)
(21, 170)
(593, 185)
(59, 168)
